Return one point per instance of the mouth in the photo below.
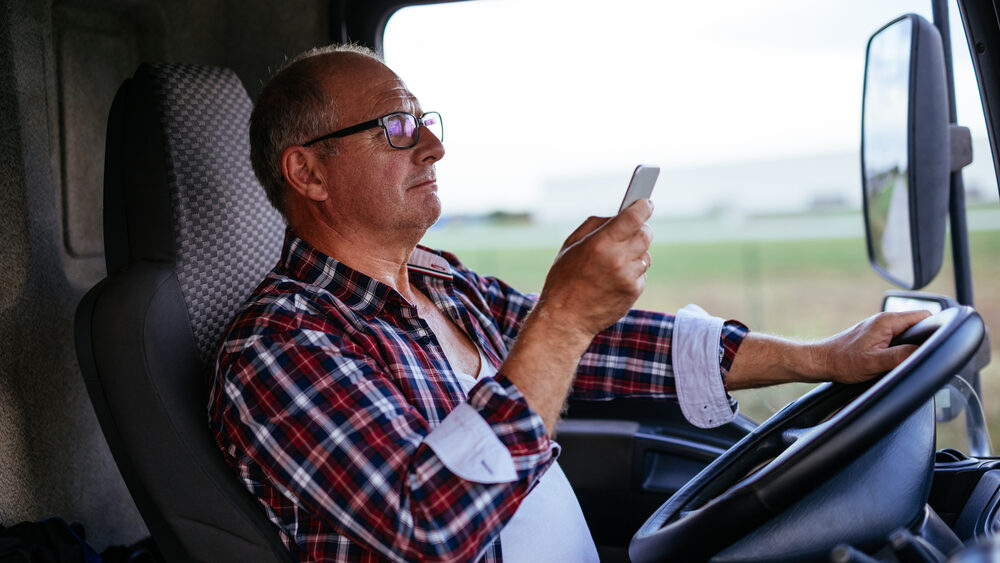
(425, 183)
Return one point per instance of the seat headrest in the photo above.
(184, 191)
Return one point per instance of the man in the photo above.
(384, 402)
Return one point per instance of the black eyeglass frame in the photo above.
(380, 122)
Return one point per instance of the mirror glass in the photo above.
(895, 303)
(886, 166)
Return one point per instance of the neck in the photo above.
(376, 255)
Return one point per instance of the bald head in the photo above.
(301, 102)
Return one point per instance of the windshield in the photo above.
(751, 109)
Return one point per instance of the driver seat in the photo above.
(188, 234)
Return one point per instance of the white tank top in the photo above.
(549, 525)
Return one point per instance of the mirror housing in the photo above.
(906, 151)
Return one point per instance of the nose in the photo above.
(428, 148)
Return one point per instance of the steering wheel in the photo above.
(805, 445)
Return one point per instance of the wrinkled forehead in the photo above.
(363, 88)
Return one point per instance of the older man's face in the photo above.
(371, 184)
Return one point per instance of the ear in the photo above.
(301, 170)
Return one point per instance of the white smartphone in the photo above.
(641, 185)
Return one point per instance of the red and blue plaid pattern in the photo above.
(327, 382)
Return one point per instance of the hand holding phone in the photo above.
(641, 185)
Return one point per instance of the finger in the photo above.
(641, 239)
(898, 322)
(646, 261)
(638, 267)
(625, 224)
(639, 201)
(895, 355)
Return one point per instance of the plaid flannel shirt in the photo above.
(327, 384)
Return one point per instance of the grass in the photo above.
(802, 289)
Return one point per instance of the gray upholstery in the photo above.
(222, 220)
(188, 234)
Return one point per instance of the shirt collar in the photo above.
(429, 262)
(362, 293)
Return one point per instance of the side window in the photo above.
(983, 218)
(752, 110)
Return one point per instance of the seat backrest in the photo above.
(188, 234)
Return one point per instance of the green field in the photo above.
(803, 289)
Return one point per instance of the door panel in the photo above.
(626, 457)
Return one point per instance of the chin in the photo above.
(434, 210)
(422, 217)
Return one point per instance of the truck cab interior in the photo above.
(135, 226)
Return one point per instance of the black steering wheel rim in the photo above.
(722, 504)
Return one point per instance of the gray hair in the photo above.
(291, 108)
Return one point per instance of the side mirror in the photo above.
(906, 151)
(895, 300)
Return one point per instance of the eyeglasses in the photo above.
(402, 129)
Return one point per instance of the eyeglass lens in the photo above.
(402, 128)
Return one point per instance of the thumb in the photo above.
(590, 225)
(626, 223)
(894, 355)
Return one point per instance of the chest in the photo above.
(458, 347)
(422, 349)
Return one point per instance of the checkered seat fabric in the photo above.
(223, 233)
(188, 235)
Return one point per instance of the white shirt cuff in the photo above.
(467, 446)
(697, 376)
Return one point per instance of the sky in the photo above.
(544, 101)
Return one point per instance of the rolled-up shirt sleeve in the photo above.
(684, 357)
(491, 440)
(698, 377)
(467, 446)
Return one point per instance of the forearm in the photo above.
(768, 360)
(596, 277)
(543, 361)
(856, 354)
